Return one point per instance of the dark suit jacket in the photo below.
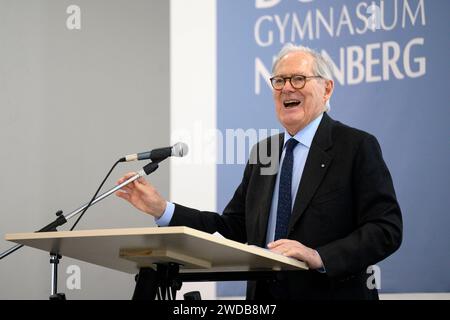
(345, 208)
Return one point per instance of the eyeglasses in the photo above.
(297, 81)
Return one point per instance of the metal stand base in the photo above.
(58, 296)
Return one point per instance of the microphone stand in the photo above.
(62, 219)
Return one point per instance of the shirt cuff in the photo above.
(164, 220)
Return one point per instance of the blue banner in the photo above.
(391, 64)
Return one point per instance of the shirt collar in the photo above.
(306, 135)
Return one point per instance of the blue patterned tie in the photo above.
(284, 191)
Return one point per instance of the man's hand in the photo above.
(295, 249)
(142, 195)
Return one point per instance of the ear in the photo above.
(329, 87)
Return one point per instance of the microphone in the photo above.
(179, 149)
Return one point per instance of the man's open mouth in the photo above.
(291, 103)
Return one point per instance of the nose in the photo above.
(288, 86)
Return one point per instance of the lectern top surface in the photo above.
(128, 250)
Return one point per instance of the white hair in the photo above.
(322, 67)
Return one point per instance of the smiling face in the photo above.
(296, 108)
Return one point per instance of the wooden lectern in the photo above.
(163, 257)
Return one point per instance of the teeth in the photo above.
(291, 103)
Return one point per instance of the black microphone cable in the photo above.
(159, 155)
(95, 195)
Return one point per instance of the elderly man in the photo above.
(331, 204)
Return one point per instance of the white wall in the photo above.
(71, 103)
(193, 108)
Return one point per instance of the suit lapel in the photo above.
(316, 167)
